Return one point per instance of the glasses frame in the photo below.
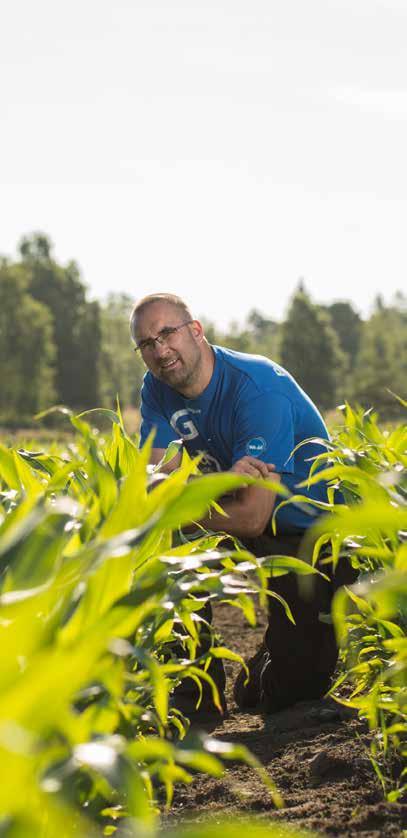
(148, 345)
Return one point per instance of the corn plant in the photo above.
(365, 467)
(100, 619)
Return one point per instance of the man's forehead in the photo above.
(156, 315)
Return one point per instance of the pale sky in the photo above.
(217, 150)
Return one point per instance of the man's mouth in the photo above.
(167, 365)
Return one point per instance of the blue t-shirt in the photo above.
(250, 406)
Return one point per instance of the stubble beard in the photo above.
(182, 377)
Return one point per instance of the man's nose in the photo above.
(160, 348)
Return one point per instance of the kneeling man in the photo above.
(246, 414)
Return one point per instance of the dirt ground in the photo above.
(318, 761)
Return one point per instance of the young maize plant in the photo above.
(100, 618)
(367, 466)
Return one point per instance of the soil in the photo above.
(318, 761)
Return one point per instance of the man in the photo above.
(246, 414)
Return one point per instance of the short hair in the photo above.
(171, 299)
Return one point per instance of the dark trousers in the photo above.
(300, 659)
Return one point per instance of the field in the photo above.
(100, 615)
(321, 765)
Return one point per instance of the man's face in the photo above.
(176, 359)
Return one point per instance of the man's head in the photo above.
(172, 343)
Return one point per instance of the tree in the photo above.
(211, 332)
(310, 350)
(76, 325)
(264, 334)
(257, 335)
(381, 365)
(27, 350)
(89, 343)
(348, 326)
(237, 339)
(121, 369)
(36, 248)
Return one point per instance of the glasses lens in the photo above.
(162, 338)
(145, 345)
(166, 333)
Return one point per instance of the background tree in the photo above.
(77, 333)
(264, 334)
(348, 326)
(27, 350)
(310, 350)
(258, 334)
(381, 364)
(212, 334)
(121, 369)
(237, 338)
(87, 389)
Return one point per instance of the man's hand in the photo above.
(253, 467)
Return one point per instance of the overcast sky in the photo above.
(218, 150)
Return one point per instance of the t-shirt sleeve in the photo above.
(264, 428)
(153, 416)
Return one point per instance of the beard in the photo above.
(182, 373)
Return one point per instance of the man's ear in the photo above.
(198, 330)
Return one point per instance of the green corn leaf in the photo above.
(103, 412)
(280, 565)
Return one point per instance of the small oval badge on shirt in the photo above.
(256, 446)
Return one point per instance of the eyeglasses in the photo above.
(163, 338)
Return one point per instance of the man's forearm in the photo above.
(243, 519)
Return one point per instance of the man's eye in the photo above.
(146, 344)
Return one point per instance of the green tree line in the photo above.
(333, 353)
(57, 346)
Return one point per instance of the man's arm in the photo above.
(250, 510)
(156, 456)
(266, 419)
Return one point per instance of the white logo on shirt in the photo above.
(256, 446)
(183, 425)
(185, 428)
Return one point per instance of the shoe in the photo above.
(207, 714)
(186, 695)
(207, 710)
(250, 695)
